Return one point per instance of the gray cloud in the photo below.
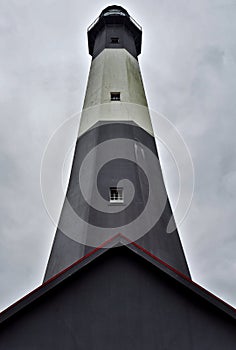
(188, 64)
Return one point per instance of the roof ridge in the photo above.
(118, 239)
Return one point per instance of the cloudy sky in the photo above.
(188, 64)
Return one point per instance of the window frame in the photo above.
(116, 195)
(115, 40)
(115, 96)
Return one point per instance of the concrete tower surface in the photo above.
(122, 281)
(116, 184)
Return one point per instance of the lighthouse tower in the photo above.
(117, 277)
(116, 188)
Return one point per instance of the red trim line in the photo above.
(103, 245)
(178, 273)
(59, 274)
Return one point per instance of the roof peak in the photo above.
(118, 240)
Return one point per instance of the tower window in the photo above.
(115, 96)
(116, 195)
(115, 40)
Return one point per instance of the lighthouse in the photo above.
(117, 277)
(116, 188)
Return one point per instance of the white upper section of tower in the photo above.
(115, 70)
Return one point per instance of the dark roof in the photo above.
(115, 241)
(114, 8)
(113, 15)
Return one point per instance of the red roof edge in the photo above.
(104, 245)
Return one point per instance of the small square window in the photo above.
(115, 40)
(115, 96)
(116, 195)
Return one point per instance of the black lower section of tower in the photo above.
(166, 246)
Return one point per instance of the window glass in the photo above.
(115, 96)
(115, 40)
(116, 195)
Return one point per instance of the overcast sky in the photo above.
(188, 64)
